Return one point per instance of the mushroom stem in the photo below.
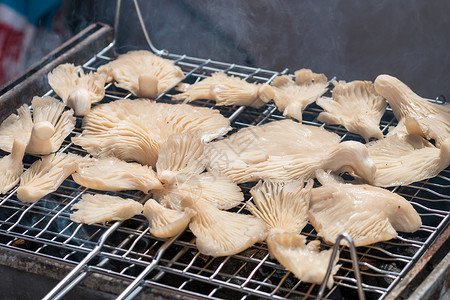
(80, 101)
(148, 86)
(40, 142)
(266, 93)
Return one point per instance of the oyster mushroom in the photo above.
(134, 130)
(180, 166)
(283, 206)
(77, 91)
(44, 133)
(165, 222)
(142, 73)
(226, 90)
(355, 105)
(291, 98)
(368, 214)
(223, 233)
(415, 114)
(103, 208)
(113, 174)
(286, 150)
(404, 159)
(11, 166)
(46, 175)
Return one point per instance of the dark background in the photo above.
(347, 39)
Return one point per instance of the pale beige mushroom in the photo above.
(404, 159)
(97, 208)
(415, 114)
(305, 260)
(77, 90)
(113, 174)
(179, 167)
(283, 206)
(291, 98)
(226, 90)
(134, 130)
(355, 105)
(11, 166)
(143, 73)
(46, 175)
(286, 150)
(44, 133)
(222, 233)
(368, 214)
(165, 222)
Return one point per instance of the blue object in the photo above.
(37, 12)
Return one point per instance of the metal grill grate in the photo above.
(127, 251)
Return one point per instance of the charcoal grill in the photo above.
(123, 260)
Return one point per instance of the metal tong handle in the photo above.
(355, 265)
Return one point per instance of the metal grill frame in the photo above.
(128, 252)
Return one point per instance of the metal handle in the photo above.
(355, 265)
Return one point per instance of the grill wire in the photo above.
(127, 250)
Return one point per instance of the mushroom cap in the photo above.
(128, 68)
(368, 214)
(355, 105)
(281, 205)
(11, 167)
(222, 233)
(46, 175)
(304, 260)
(404, 159)
(165, 222)
(97, 208)
(113, 174)
(134, 130)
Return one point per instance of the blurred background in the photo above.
(347, 39)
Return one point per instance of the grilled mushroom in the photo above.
(417, 115)
(143, 73)
(226, 90)
(355, 105)
(291, 98)
(46, 175)
(368, 214)
(11, 167)
(113, 174)
(134, 130)
(165, 222)
(222, 233)
(77, 90)
(44, 133)
(103, 208)
(404, 159)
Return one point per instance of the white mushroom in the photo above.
(165, 222)
(77, 90)
(46, 175)
(404, 159)
(355, 105)
(113, 174)
(226, 90)
(291, 98)
(283, 206)
(134, 130)
(11, 167)
(286, 150)
(180, 165)
(304, 260)
(44, 133)
(143, 73)
(417, 115)
(103, 208)
(368, 214)
(222, 233)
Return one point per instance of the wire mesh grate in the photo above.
(44, 228)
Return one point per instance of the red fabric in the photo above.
(11, 47)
